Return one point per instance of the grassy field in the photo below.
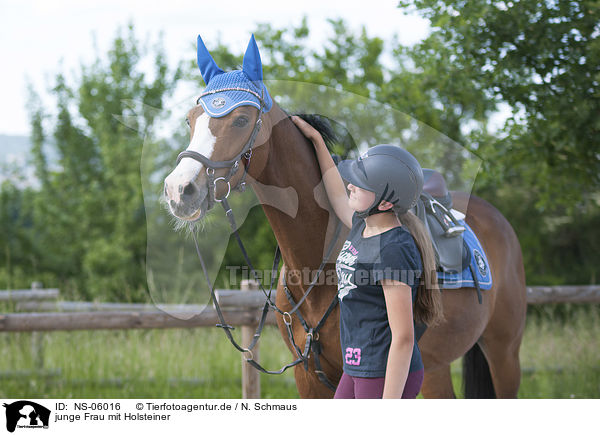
(560, 359)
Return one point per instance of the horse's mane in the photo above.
(337, 138)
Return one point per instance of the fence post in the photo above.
(37, 339)
(250, 376)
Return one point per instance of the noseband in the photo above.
(234, 163)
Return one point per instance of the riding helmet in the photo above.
(391, 172)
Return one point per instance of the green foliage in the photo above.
(88, 219)
(16, 243)
(540, 168)
(540, 58)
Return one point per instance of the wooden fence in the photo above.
(241, 308)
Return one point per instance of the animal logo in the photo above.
(25, 413)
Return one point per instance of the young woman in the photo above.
(386, 269)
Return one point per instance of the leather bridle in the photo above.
(234, 163)
(312, 343)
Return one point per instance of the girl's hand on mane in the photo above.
(308, 130)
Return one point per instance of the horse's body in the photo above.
(496, 325)
(285, 158)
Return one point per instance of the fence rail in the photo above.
(28, 295)
(70, 306)
(581, 294)
(27, 322)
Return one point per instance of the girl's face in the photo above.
(360, 199)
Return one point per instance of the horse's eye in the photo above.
(240, 121)
(187, 121)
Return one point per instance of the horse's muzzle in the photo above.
(189, 203)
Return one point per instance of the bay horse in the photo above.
(487, 334)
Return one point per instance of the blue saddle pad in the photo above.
(479, 262)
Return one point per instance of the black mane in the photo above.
(336, 136)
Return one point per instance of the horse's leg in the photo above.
(500, 344)
(501, 339)
(438, 383)
(505, 369)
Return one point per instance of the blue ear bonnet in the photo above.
(227, 90)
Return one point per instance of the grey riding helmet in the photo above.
(391, 172)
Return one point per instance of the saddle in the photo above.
(434, 209)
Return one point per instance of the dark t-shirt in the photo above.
(364, 329)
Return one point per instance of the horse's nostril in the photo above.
(172, 203)
(188, 190)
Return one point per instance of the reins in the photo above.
(312, 334)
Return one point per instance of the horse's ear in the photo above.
(252, 65)
(207, 65)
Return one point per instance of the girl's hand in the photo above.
(308, 130)
(334, 185)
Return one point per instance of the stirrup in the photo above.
(445, 218)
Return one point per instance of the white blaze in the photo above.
(188, 169)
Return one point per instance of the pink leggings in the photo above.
(353, 387)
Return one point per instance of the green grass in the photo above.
(560, 359)
(177, 363)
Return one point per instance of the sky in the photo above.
(38, 38)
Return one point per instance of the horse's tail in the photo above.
(477, 380)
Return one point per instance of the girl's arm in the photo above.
(398, 300)
(334, 185)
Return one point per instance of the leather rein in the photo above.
(312, 333)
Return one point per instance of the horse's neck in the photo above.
(292, 167)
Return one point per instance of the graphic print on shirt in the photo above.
(344, 268)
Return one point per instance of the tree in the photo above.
(540, 58)
(89, 218)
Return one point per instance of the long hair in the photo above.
(427, 307)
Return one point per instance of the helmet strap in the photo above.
(373, 209)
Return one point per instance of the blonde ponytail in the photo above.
(427, 308)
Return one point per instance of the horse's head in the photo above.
(228, 121)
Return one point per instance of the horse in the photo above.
(487, 334)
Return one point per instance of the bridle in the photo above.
(312, 343)
(234, 163)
